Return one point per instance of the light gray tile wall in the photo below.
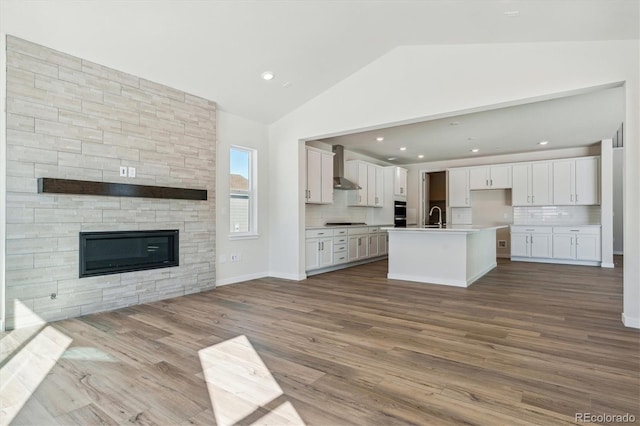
(73, 119)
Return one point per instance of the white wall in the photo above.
(236, 130)
(417, 82)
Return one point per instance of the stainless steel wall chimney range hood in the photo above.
(339, 181)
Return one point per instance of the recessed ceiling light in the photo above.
(454, 123)
(421, 156)
(543, 142)
(268, 75)
(380, 138)
(512, 13)
(475, 150)
(404, 148)
(391, 158)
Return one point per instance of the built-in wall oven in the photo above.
(400, 214)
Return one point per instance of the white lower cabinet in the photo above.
(319, 252)
(531, 241)
(327, 247)
(560, 244)
(576, 243)
(383, 243)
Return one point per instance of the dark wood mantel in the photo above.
(86, 187)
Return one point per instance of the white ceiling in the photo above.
(565, 122)
(218, 49)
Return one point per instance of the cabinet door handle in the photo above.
(490, 182)
(528, 198)
(576, 240)
(466, 201)
(532, 239)
(402, 190)
(360, 198)
(571, 197)
(576, 198)
(526, 239)
(533, 199)
(486, 182)
(571, 240)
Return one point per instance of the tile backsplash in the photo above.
(319, 214)
(556, 215)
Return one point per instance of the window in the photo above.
(242, 197)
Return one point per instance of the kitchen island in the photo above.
(456, 255)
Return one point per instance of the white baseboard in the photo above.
(630, 322)
(607, 265)
(427, 280)
(241, 278)
(292, 277)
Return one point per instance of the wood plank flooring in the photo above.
(526, 344)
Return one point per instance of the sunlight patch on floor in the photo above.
(241, 386)
(23, 373)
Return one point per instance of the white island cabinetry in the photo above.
(456, 256)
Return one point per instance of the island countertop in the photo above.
(454, 229)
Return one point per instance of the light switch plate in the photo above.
(132, 172)
(123, 171)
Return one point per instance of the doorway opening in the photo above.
(434, 194)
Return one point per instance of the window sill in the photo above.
(244, 237)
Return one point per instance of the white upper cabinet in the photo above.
(319, 189)
(400, 182)
(531, 184)
(379, 187)
(490, 177)
(370, 178)
(576, 181)
(459, 188)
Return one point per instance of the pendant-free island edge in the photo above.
(456, 255)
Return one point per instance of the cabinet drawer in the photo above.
(374, 230)
(340, 240)
(340, 231)
(358, 230)
(589, 230)
(339, 247)
(532, 229)
(314, 233)
(339, 258)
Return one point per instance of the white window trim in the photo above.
(253, 195)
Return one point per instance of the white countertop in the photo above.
(551, 225)
(449, 228)
(346, 226)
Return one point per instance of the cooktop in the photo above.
(344, 223)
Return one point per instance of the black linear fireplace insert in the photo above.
(103, 253)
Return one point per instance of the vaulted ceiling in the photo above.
(219, 49)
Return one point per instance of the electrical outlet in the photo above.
(502, 243)
(132, 172)
(235, 257)
(123, 171)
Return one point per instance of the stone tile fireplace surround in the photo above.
(70, 118)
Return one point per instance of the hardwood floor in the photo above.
(526, 344)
